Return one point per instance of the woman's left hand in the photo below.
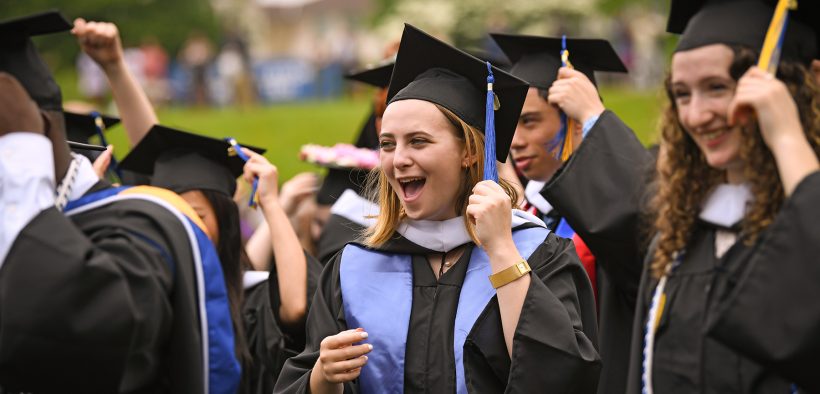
(769, 98)
(259, 166)
(102, 162)
(491, 211)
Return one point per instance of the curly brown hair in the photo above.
(684, 178)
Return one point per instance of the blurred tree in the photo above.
(169, 21)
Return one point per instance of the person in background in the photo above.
(535, 151)
(100, 285)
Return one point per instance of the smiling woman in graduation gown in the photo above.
(707, 208)
(449, 332)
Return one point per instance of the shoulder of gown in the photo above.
(768, 308)
(92, 279)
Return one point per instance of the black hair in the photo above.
(234, 262)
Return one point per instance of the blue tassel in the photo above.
(490, 170)
(557, 144)
(100, 125)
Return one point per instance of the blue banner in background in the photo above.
(284, 79)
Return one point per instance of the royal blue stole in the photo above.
(377, 294)
(221, 370)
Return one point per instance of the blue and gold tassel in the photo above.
(561, 145)
(236, 150)
(100, 126)
(772, 45)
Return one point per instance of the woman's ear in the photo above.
(468, 160)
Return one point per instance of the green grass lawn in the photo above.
(284, 128)
(281, 129)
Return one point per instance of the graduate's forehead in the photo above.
(694, 65)
(404, 117)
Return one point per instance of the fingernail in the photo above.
(369, 347)
(364, 335)
(365, 358)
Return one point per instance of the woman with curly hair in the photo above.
(451, 290)
(738, 156)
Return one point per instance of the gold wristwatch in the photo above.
(509, 274)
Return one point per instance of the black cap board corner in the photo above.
(537, 59)
(80, 127)
(745, 23)
(181, 161)
(19, 57)
(377, 75)
(431, 70)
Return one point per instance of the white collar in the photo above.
(726, 204)
(355, 208)
(253, 278)
(533, 194)
(443, 236)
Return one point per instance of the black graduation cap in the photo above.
(537, 59)
(377, 75)
(496, 58)
(430, 70)
(19, 57)
(337, 181)
(744, 22)
(81, 127)
(180, 161)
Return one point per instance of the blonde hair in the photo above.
(391, 213)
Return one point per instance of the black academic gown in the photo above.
(270, 342)
(554, 342)
(686, 360)
(767, 310)
(600, 192)
(338, 232)
(101, 302)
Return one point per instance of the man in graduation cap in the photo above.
(343, 189)
(557, 91)
(514, 314)
(102, 287)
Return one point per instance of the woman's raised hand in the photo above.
(776, 112)
(100, 41)
(259, 167)
(490, 210)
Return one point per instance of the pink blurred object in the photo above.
(340, 156)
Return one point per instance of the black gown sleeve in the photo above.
(294, 333)
(326, 318)
(80, 308)
(768, 311)
(601, 193)
(554, 345)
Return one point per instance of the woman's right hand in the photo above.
(340, 360)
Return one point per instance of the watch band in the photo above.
(509, 274)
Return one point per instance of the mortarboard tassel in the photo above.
(490, 170)
(100, 125)
(770, 53)
(236, 150)
(562, 143)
